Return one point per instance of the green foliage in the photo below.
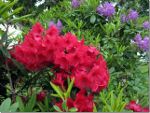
(64, 95)
(29, 106)
(113, 101)
(7, 106)
(7, 14)
(58, 91)
(44, 107)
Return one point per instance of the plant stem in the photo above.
(11, 83)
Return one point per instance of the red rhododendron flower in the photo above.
(36, 51)
(136, 107)
(42, 48)
(84, 103)
(60, 78)
(145, 109)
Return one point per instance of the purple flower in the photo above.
(106, 9)
(123, 18)
(75, 3)
(142, 44)
(138, 39)
(133, 15)
(145, 44)
(146, 25)
(58, 25)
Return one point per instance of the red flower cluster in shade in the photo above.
(136, 107)
(83, 102)
(41, 96)
(42, 48)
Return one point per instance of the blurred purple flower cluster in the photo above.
(146, 25)
(132, 15)
(106, 9)
(124, 18)
(76, 3)
(142, 43)
(58, 24)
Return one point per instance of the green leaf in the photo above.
(41, 106)
(16, 11)
(119, 99)
(57, 108)
(21, 105)
(8, 7)
(73, 109)
(122, 106)
(55, 95)
(64, 105)
(5, 52)
(5, 106)
(19, 66)
(30, 105)
(112, 101)
(69, 88)
(4, 37)
(93, 19)
(21, 18)
(14, 107)
(94, 109)
(57, 90)
(46, 103)
(68, 80)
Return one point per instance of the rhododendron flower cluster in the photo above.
(124, 18)
(69, 58)
(146, 25)
(132, 15)
(136, 107)
(106, 9)
(76, 3)
(142, 43)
